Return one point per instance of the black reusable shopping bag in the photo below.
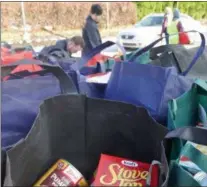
(180, 57)
(79, 129)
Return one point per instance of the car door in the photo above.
(157, 27)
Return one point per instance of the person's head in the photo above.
(75, 44)
(96, 12)
(168, 10)
(176, 14)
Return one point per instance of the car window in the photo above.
(151, 21)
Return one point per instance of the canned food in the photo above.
(62, 173)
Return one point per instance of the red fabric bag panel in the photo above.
(7, 57)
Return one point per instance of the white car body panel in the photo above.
(143, 35)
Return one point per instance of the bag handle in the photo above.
(145, 49)
(97, 50)
(66, 83)
(193, 134)
(198, 53)
(195, 58)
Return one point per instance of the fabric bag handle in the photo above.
(198, 53)
(145, 49)
(193, 134)
(97, 50)
(66, 83)
(195, 58)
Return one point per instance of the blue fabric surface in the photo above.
(20, 104)
(148, 85)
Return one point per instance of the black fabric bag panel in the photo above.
(79, 129)
(3, 166)
(180, 57)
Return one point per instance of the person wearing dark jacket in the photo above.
(91, 35)
(73, 45)
(62, 48)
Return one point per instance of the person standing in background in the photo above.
(181, 38)
(176, 18)
(166, 22)
(91, 35)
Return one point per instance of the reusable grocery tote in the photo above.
(148, 85)
(188, 110)
(21, 99)
(94, 89)
(180, 57)
(79, 129)
(190, 168)
(184, 110)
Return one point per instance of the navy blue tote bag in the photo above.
(94, 90)
(21, 99)
(148, 85)
(76, 69)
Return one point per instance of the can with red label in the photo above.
(62, 173)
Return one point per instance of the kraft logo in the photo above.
(129, 163)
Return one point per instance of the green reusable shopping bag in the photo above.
(142, 59)
(179, 176)
(183, 111)
(195, 155)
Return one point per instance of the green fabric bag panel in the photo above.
(143, 59)
(202, 99)
(110, 63)
(195, 156)
(183, 111)
(127, 56)
(180, 177)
